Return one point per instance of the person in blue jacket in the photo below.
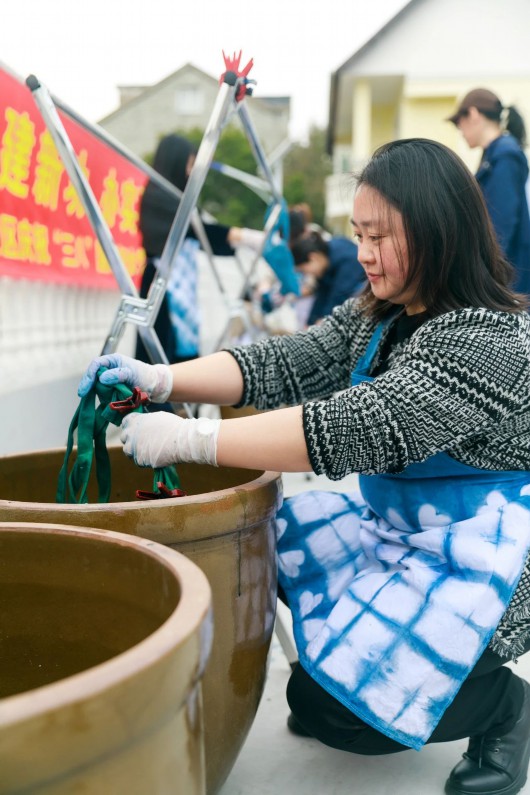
(502, 173)
(334, 266)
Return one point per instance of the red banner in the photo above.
(44, 230)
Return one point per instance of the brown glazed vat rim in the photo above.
(229, 494)
(192, 608)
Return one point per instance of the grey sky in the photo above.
(82, 51)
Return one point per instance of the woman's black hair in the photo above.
(304, 246)
(513, 123)
(171, 159)
(454, 259)
(297, 225)
(157, 206)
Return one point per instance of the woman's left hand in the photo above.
(154, 379)
(161, 438)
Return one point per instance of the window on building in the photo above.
(189, 100)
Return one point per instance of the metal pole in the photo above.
(80, 183)
(192, 190)
(198, 175)
(258, 152)
(261, 159)
(143, 312)
(267, 229)
(259, 186)
(132, 308)
(154, 176)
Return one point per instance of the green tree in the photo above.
(231, 202)
(234, 204)
(306, 167)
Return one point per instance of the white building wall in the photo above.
(444, 38)
(140, 123)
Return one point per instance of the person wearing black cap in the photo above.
(500, 132)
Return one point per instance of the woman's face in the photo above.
(316, 265)
(471, 125)
(380, 235)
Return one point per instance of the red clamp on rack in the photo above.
(233, 73)
(162, 493)
(137, 399)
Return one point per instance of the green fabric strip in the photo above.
(91, 424)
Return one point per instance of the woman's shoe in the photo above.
(495, 765)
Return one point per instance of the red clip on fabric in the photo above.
(232, 65)
(161, 494)
(137, 399)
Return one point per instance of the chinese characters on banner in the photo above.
(44, 231)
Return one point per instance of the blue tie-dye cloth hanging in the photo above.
(396, 591)
(182, 294)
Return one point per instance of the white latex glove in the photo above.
(154, 379)
(251, 238)
(159, 439)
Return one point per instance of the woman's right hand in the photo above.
(154, 379)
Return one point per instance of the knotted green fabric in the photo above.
(91, 423)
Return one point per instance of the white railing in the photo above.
(49, 331)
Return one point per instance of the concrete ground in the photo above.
(275, 762)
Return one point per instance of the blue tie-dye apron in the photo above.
(396, 591)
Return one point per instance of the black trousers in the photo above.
(489, 700)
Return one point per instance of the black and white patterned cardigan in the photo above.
(460, 385)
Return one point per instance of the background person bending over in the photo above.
(502, 173)
(302, 223)
(334, 267)
(409, 597)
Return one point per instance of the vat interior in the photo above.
(33, 477)
(71, 602)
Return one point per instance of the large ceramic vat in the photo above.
(227, 526)
(103, 640)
